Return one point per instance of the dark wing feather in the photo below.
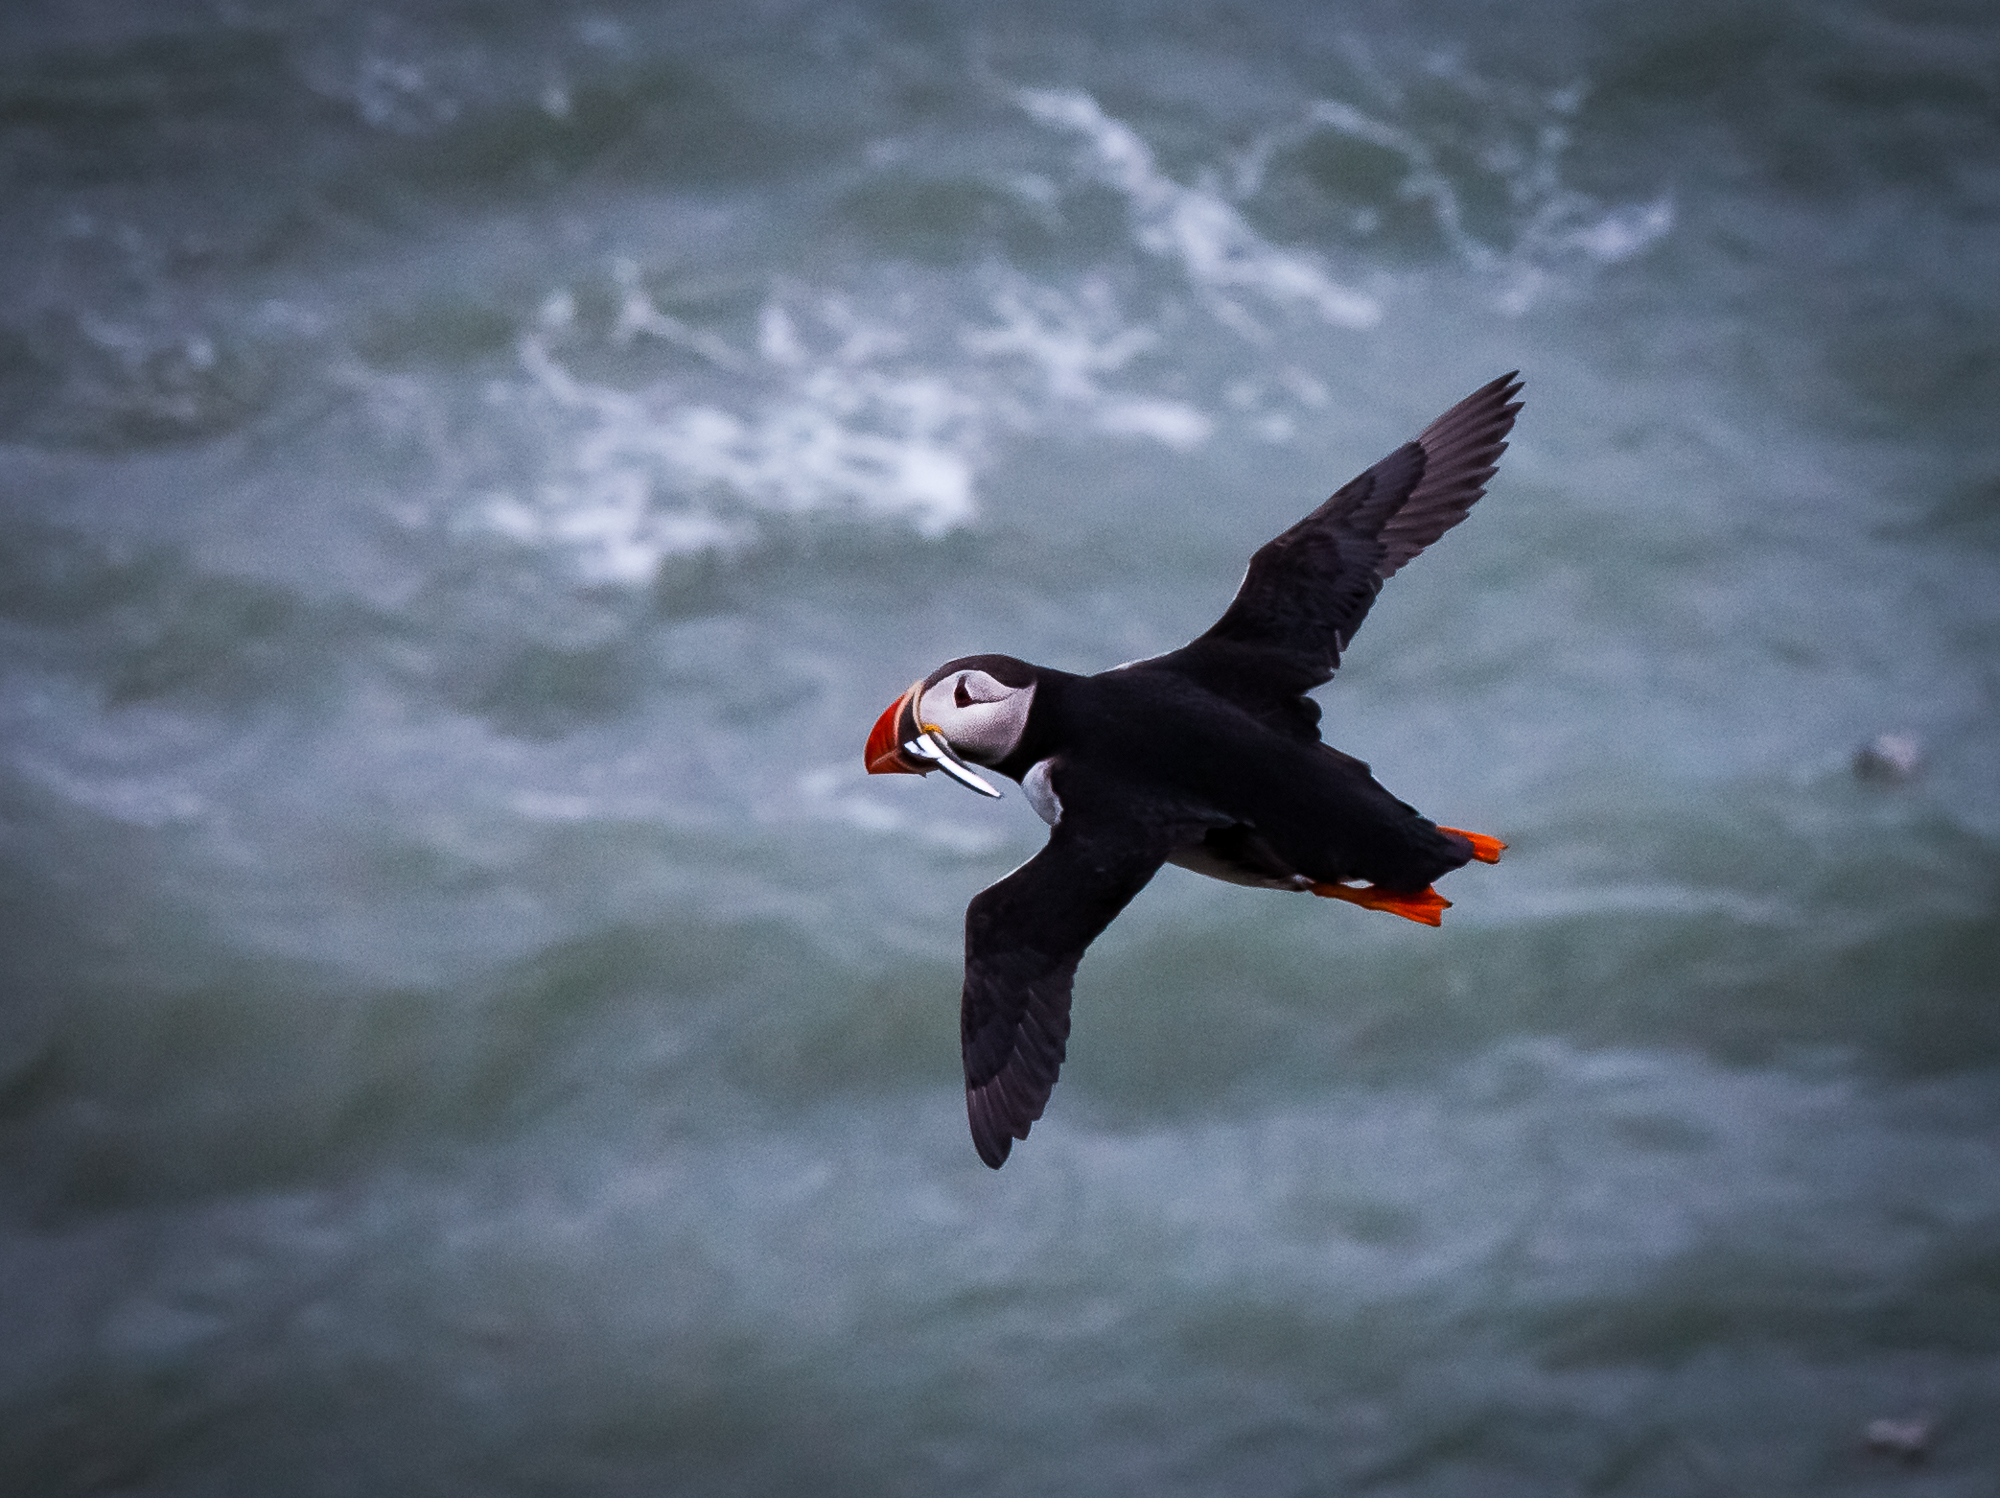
(1308, 590)
(1023, 939)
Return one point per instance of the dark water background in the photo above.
(469, 478)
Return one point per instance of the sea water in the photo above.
(470, 476)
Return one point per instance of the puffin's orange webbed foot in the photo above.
(1426, 906)
(1485, 849)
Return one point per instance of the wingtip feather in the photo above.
(991, 1138)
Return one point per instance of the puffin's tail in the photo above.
(1485, 849)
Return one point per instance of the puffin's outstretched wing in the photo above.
(1023, 939)
(1308, 590)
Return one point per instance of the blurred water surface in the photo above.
(469, 477)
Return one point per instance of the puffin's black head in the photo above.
(974, 708)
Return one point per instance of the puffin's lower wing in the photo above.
(1023, 939)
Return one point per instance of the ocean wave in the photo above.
(117, 380)
(883, 407)
(646, 479)
(1530, 230)
(1200, 231)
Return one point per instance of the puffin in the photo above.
(1208, 757)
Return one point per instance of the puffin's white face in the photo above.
(975, 708)
(981, 718)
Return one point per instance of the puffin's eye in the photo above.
(959, 694)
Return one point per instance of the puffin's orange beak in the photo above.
(901, 744)
(895, 728)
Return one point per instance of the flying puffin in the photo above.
(1208, 757)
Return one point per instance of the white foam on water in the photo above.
(1173, 424)
(642, 477)
(152, 802)
(639, 314)
(1523, 138)
(885, 403)
(1624, 232)
(777, 337)
(1072, 341)
(397, 76)
(881, 408)
(1218, 251)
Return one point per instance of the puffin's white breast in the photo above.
(1041, 794)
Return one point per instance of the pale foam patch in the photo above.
(1073, 343)
(139, 801)
(612, 526)
(1170, 423)
(1550, 233)
(1199, 229)
(639, 315)
(1625, 232)
(1569, 227)
(882, 413)
(395, 78)
(884, 405)
(1524, 137)
(650, 476)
